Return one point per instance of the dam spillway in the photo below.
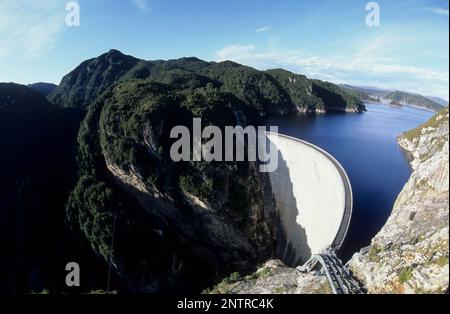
(313, 197)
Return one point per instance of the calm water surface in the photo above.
(365, 144)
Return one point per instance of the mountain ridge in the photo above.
(267, 92)
(395, 97)
(44, 88)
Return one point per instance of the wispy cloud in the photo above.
(141, 4)
(30, 27)
(369, 64)
(236, 52)
(440, 11)
(263, 29)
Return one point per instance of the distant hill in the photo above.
(43, 88)
(91, 78)
(364, 93)
(394, 97)
(368, 90)
(411, 99)
(273, 91)
(438, 100)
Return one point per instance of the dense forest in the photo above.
(43, 88)
(36, 142)
(273, 91)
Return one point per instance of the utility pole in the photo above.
(108, 285)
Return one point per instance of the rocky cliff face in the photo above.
(178, 226)
(410, 253)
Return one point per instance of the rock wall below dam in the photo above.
(313, 197)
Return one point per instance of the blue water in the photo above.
(365, 144)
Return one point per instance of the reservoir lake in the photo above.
(365, 144)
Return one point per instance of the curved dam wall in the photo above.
(313, 197)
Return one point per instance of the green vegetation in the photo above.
(361, 93)
(270, 92)
(224, 286)
(43, 88)
(405, 274)
(413, 99)
(36, 142)
(261, 273)
(234, 277)
(129, 127)
(33, 133)
(335, 98)
(395, 98)
(279, 290)
(442, 260)
(434, 122)
(90, 79)
(95, 223)
(374, 253)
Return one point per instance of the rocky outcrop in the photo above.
(274, 277)
(411, 252)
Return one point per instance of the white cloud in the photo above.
(440, 11)
(263, 29)
(30, 27)
(141, 4)
(367, 65)
(234, 52)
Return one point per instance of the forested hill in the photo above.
(273, 91)
(43, 88)
(394, 97)
(35, 138)
(413, 99)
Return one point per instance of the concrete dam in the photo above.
(313, 197)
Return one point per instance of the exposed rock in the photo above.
(131, 179)
(275, 277)
(410, 253)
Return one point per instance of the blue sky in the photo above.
(326, 39)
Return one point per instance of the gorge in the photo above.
(410, 252)
(178, 226)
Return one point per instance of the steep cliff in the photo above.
(411, 252)
(178, 226)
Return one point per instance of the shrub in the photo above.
(405, 274)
